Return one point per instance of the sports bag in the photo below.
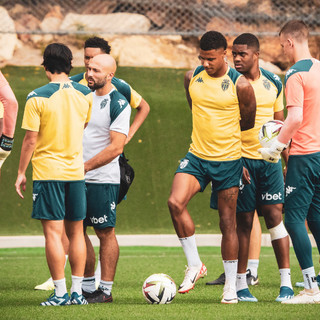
(126, 176)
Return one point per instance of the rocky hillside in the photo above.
(32, 27)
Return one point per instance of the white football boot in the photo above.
(192, 275)
(46, 286)
(304, 297)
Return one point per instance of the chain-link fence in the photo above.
(183, 17)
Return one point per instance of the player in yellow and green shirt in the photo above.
(223, 104)
(54, 119)
(263, 187)
(92, 47)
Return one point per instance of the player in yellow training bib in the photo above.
(223, 104)
(54, 119)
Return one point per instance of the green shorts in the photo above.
(102, 201)
(222, 174)
(59, 200)
(302, 186)
(266, 187)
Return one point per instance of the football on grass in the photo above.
(159, 288)
(269, 131)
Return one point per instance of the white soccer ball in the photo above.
(269, 131)
(159, 288)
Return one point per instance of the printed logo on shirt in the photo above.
(121, 102)
(289, 72)
(276, 77)
(225, 84)
(112, 206)
(200, 80)
(32, 93)
(34, 196)
(66, 86)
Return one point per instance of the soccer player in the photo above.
(8, 118)
(103, 142)
(223, 104)
(303, 174)
(263, 187)
(92, 47)
(54, 119)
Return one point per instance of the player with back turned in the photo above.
(302, 185)
(223, 104)
(54, 119)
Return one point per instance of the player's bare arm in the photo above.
(108, 154)
(28, 146)
(187, 79)
(247, 104)
(142, 112)
(1, 126)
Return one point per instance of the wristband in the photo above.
(6, 143)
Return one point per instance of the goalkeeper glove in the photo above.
(6, 144)
(273, 153)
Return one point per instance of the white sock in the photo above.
(97, 273)
(60, 287)
(285, 277)
(191, 251)
(76, 285)
(66, 261)
(242, 281)
(230, 270)
(106, 286)
(88, 284)
(309, 278)
(253, 265)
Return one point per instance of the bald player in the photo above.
(103, 142)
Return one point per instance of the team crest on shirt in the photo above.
(225, 84)
(103, 103)
(184, 163)
(266, 84)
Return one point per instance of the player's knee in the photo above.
(278, 232)
(105, 233)
(174, 206)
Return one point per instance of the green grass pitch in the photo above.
(22, 269)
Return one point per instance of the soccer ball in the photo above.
(159, 288)
(269, 131)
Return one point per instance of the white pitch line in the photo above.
(156, 240)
